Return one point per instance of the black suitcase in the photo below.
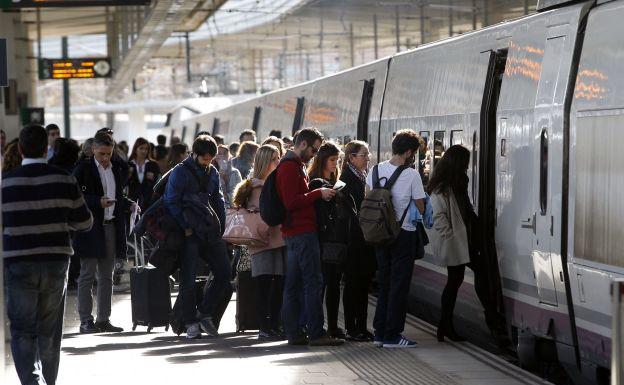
(150, 295)
(246, 313)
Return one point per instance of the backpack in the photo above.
(272, 210)
(156, 220)
(377, 217)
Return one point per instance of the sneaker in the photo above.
(359, 337)
(270, 335)
(378, 341)
(337, 333)
(298, 340)
(193, 332)
(326, 340)
(208, 327)
(88, 327)
(400, 342)
(106, 327)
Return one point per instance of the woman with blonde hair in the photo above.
(267, 262)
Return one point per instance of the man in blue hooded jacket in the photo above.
(193, 181)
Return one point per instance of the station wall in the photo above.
(22, 71)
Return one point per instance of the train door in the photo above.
(547, 174)
(485, 144)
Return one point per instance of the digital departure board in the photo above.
(84, 68)
(68, 3)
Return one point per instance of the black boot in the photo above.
(446, 329)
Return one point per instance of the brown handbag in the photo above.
(246, 228)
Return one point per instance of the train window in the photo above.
(438, 146)
(168, 121)
(544, 171)
(598, 185)
(367, 97)
(425, 136)
(256, 119)
(197, 128)
(298, 121)
(456, 137)
(215, 126)
(183, 136)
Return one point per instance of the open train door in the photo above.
(484, 180)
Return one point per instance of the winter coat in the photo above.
(142, 192)
(183, 183)
(90, 244)
(448, 236)
(360, 256)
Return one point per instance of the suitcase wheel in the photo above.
(134, 325)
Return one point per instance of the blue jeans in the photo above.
(303, 286)
(395, 267)
(215, 254)
(35, 293)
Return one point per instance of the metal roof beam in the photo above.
(164, 18)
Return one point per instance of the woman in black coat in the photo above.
(360, 265)
(144, 172)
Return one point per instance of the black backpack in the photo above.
(272, 210)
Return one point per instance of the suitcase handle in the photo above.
(139, 255)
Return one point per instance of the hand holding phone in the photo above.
(339, 185)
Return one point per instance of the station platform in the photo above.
(160, 357)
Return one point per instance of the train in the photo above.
(528, 97)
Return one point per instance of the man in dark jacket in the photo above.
(102, 183)
(41, 204)
(196, 180)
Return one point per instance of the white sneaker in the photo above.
(193, 331)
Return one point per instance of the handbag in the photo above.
(333, 253)
(244, 259)
(246, 228)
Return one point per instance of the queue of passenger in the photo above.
(332, 231)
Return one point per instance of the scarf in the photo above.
(358, 173)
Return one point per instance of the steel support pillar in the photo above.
(396, 28)
(376, 37)
(66, 119)
(188, 57)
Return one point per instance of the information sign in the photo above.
(84, 68)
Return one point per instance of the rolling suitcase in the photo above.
(246, 313)
(150, 295)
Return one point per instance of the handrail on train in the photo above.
(617, 332)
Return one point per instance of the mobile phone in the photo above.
(339, 185)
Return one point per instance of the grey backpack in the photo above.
(377, 217)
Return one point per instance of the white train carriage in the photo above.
(540, 103)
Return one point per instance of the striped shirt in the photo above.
(41, 204)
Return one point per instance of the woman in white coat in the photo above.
(454, 237)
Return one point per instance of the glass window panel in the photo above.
(598, 206)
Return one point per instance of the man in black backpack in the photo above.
(193, 198)
(395, 261)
